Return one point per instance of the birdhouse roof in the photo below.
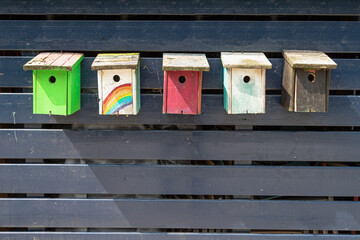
(58, 61)
(109, 61)
(308, 59)
(185, 62)
(245, 60)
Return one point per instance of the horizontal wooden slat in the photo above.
(201, 145)
(229, 7)
(181, 36)
(343, 111)
(182, 180)
(166, 236)
(152, 76)
(224, 214)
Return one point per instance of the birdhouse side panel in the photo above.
(182, 92)
(117, 94)
(248, 91)
(74, 90)
(136, 91)
(227, 90)
(50, 92)
(288, 87)
(311, 90)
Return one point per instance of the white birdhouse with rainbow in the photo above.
(118, 83)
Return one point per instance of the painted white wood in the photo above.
(248, 98)
(117, 98)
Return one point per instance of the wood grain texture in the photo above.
(180, 145)
(168, 236)
(116, 61)
(311, 96)
(182, 92)
(308, 59)
(247, 97)
(342, 78)
(180, 36)
(181, 180)
(343, 111)
(58, 61)
(224, 214)
(185, 62)
(163, 7)
(245, 60)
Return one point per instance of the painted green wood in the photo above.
(61, 97)
(50, 98)
(74, 90)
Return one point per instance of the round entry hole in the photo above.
(246, 79)
(182, 79)
(52, 79)
(116, 78)
(311, 77)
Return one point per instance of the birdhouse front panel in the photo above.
(56, 83)
(118, 83)
(247, 91)
(183, 82)
(117, 92)
(311, 90)
(306, 81)
(182, 88)
(244, 82)
(50, 92)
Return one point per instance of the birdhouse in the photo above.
(306, 81)
(56, 83)
(182, 82)
(118, 83)
(244, 82)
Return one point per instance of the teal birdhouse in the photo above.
(244, 82)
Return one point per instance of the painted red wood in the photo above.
(182, 97)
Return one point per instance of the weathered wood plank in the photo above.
(182, 180)
(152, 76)
(308, 59)
(163, 7)
(166, 236)
(180, 145)
(116, 61)
(343, 111)
(185, 62)
(180, 36)
(224, 214)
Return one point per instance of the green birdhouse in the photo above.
(56, 83)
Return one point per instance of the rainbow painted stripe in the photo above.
(119, 98)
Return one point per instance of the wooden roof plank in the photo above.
(61, 61)
(116, 61)
(308, 59)
(245, 60)
(185, 62)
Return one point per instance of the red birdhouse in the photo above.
(182, 82)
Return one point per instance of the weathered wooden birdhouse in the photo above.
(244, 82)
(183, 82)
(118, 83)
(56, 83)
(306, 81)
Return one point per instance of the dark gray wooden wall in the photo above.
(272, 176)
